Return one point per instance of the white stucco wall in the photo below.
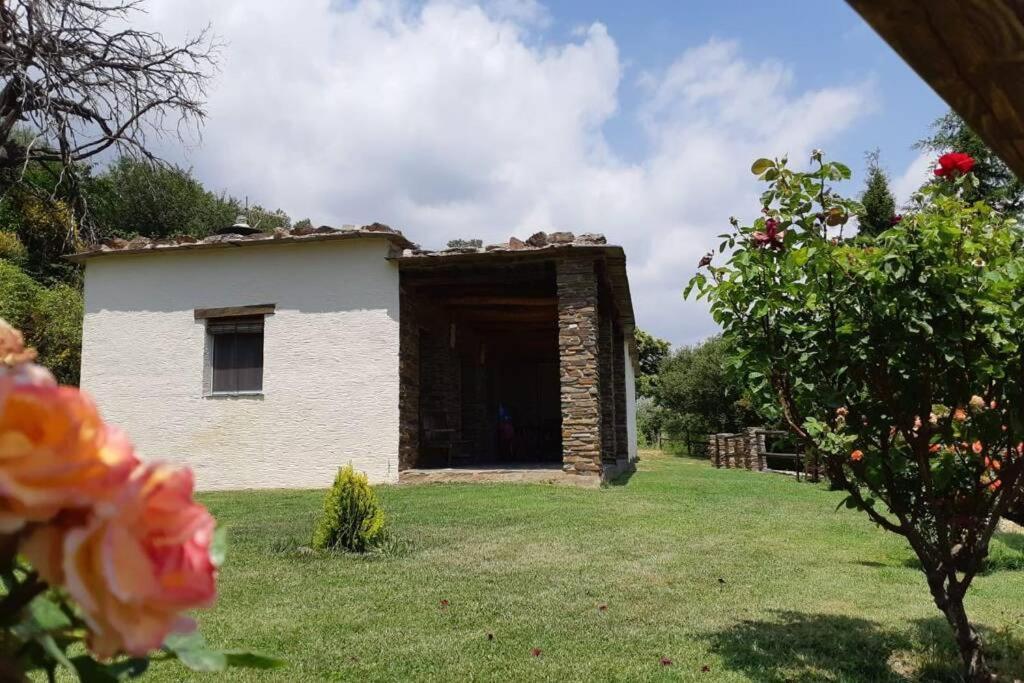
(630, 404)
(330, 376)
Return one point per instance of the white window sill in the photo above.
(234, 394)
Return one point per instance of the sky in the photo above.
(458, 118)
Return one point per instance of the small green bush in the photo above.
(11, 248)
(18, 294)
(57, 330)
(352, 518)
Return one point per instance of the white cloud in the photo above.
(913, 177)
(451, 119)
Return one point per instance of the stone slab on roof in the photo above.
(538, 244)
(325, 233)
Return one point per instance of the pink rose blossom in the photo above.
(137, 564)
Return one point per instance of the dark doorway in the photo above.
(489, 382)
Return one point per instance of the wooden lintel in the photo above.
(538, 314)
(234, 311)
(530, 301)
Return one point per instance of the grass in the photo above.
(731, 575)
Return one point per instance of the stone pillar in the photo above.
(408, 382)
(619, 381)
(578, 366)
(606, 372)
(755, 442)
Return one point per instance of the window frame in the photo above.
(223, 317)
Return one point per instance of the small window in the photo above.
(237, 362)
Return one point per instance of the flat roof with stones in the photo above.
(225, 239)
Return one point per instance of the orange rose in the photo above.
(137, 564)
(857, 456)
(12, 347)
(55, 452)
(16, 366)
(977, 447)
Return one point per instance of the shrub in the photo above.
(352, 518)
(18, 293)
(57, 331)
(11, 248)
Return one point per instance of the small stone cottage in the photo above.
(267, 360)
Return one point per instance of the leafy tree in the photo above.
(48, 230)
(137, 198)
(899, 360)
(78, 81)
(698, 394)
(266, 219)
(650, 420)
(38, 210)
(651, 351)
(996, 183)
(877, 202)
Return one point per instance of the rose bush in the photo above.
(898, 358)
(95, 546)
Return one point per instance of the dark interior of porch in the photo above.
(487, 365)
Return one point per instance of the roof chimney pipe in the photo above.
(241, 227)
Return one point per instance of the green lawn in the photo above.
(753, 576)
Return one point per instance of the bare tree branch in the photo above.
(81, 82)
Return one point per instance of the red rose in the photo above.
(895, 219)
(771, 236)
(953, 164)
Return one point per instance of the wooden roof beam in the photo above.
(971, 52)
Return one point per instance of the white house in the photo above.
(266, 360)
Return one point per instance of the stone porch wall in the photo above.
(606, 370)
(409, 382)
(619, 357)
(578, 330)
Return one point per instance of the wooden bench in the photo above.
(796, 458)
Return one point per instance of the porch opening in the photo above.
(480, 367)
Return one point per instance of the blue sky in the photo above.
(492, 118)
(823, 41)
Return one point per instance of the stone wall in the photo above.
(409, 382)
(738, 451)
(746, 450)
(606, 371)
(578, 329)
(619, 359)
